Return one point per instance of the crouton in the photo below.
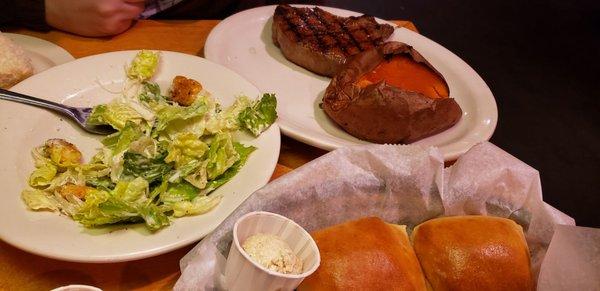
(62, 153)
(75, 190)
(184, 90)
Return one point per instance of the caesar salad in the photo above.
(169, 153)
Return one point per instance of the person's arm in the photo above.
(27, 13)
(93, 17)
(83, 17)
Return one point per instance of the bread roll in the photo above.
(473, 253)
(14, 64)
(365, 254)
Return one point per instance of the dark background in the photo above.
(541, 61)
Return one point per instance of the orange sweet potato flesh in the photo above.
(390, 94)
(401, 71)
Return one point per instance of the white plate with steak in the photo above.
(244, 42)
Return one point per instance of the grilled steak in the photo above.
(322, 42)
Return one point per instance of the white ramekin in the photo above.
(242, 273)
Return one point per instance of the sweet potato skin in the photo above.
(382, 113)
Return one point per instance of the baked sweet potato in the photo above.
(390, 94)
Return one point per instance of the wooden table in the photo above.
(23, 271)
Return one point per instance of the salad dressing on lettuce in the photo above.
(168, 155)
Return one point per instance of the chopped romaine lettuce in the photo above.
(195, 173)
(154, 217)
(120, 140)
(43, 175)
(185, 148)
(244, 153)
(95, 169)
(143, 65)
(227, 119)
(135, 190)
(198, 205)
(115, 146)
(102, 183)
(258, 117)
(175, 117)
(178, 192)
(38, 200)
(221, 155)
(102, 208)
(151, 93)
(151, 169)
(115, 114)
(145, 146)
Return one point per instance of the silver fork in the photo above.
(80, 115)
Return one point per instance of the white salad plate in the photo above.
(43, 54)
(243, 43)
(86, 82)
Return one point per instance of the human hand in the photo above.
(93, 17)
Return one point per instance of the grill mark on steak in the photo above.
(324, 30)
(306, 16)
(321, 41)
(332, 23)
(290, 27)
(348, 34)
(365, 37)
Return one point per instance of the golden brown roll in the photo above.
(365, 254)
(473, 253)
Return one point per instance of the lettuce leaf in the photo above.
(124, 204)
(101, 208)
(244, 152)
(175, 118)
(258, 117)
(157, 191)
(151, 93)
(120, 140)
(135, 190)
(154, 217)
(221, 155)
(145, 146)
(115, 114)
(227, 120)
(143, 65)
(198, 205)
(95, 169)
(185, 148)
(36, 199)
(43, 175)
(101, 183)
(182, 191)
(151, 169)
(115, 146)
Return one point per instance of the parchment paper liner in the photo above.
(400, 184)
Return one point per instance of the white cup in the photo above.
(242, 273)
